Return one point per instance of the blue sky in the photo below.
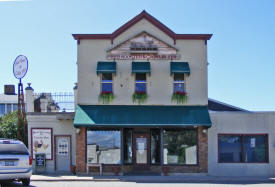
(241, 52)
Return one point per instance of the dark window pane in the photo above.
(178, 87)
(140, 87)
(106, 87)
(255, 148)
(230, 148)
(179, 77)
(180, 146)
(103, 146)
(140, 77)
(13, 149)
(8, 108)
(14, 107)
(106, 76)
(2, 109)
(155, 146)
(127, 139)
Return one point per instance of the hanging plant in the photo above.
(106, 97)
(179, 97)
(139, 97)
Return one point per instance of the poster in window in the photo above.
(42, 142)
(252, 142)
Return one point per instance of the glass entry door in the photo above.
(141, 149)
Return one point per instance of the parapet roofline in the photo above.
(152, 20)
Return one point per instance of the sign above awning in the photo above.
(149, 116)
(106, 67)
(141, 67)
(180, 67)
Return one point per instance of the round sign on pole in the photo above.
(20, 66)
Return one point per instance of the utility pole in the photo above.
(22, 125)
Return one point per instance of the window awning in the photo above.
(131, 116)
(141, 67)
(180, 67)
(106, 67)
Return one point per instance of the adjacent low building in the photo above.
(8, 100)
(142, 107)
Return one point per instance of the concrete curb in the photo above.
(151, 179)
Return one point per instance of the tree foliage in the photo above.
(8, 125)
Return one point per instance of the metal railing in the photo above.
(63, 100)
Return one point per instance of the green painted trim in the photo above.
(106, 67)
(141, 67)
(179, 67)
(141, 115)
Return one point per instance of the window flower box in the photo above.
(179, 97)
(106, 97)
(139, 97)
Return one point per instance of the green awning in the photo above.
(106, 67)
(179, 67)
(141, 67)
(131, 115)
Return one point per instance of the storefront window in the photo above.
(230, 148)
(128, 151)
(255, 148)
(155, 146)
(180, 146)
(103, 146)
(243, 148)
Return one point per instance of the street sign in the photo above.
(20, 66)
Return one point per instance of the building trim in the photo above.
(152, 20)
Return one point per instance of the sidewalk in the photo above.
(155, 179)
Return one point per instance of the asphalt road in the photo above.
(135, 184)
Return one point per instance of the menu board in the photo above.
(42, 142)
(40, 160)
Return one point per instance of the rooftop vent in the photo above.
(9, 89)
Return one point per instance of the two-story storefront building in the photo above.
(142, 99)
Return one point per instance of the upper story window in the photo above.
(140, 82)
(106, 83)
(179, 83)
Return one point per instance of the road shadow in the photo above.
(12, 184)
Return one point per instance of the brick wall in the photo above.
(203, 149)
(81, 150)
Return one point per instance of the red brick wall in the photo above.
(203, 149)
(81, 150)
